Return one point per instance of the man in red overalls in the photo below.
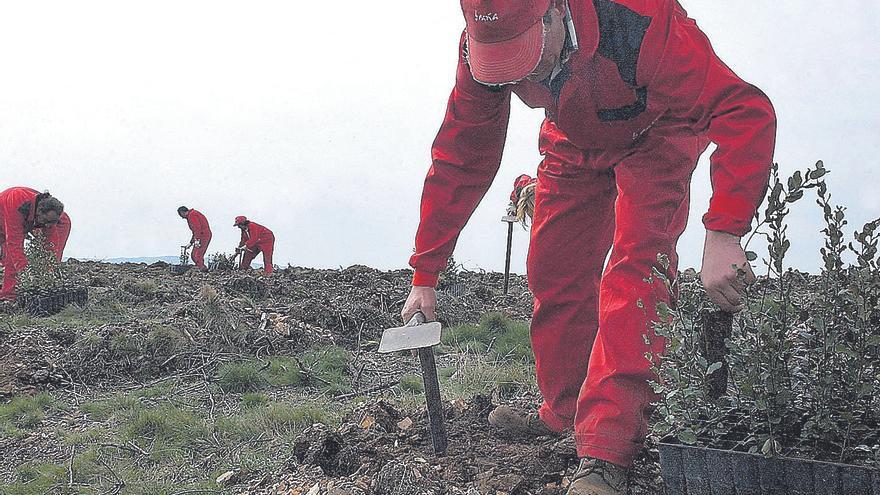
(633, 94)
(25, 211)
(255, 239)
(201, 234)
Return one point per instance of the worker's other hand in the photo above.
(725, 270)
(422, 299)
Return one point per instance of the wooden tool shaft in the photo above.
(433, 400)
(507, 257)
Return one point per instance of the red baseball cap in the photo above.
(239, 220)
(505, 38)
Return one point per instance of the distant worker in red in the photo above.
(255, 239)
(24, 212)
(201, 234)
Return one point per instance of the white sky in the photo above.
(316, 120)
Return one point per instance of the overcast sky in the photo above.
(316, 120)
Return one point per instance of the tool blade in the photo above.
(410, 337)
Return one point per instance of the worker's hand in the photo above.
(422, 299)
(725, 270)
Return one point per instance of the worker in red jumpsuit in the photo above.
(633, 94)
(24, 212)
(201, 234)
(255, 239)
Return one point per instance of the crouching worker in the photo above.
(23, 212)
(255, 239)
(201, 234)
(633, 94)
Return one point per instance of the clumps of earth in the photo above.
(384, 451)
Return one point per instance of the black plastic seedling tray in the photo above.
(47, 303)
(691, 470)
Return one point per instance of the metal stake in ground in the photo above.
(510, 219)
(422, 336)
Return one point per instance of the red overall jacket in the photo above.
(256, 236)
(198, 224)
(640, 65)
(17, 220)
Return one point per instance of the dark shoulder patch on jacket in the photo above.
(25, 209)
(621, 32)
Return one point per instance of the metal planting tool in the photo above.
(510, 219)
(422, 336)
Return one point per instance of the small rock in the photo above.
(367, 422)
(227, 478)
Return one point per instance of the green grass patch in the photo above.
(167, 423)
(251, 400)
(412, 383)
(476, 376)
(274, 418)
(324, 368)
(240, 377)
(496, 335)
(23, 412)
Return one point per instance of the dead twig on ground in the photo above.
(370, 390)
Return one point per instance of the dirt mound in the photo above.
(381, 450)
(143, 323)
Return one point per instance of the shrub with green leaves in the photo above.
(43, 271)
(804, 356)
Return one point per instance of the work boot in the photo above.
(530, 424)
(598, 477)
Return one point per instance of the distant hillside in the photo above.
(144, 259)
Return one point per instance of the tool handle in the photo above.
(417, 319)
(433, 400)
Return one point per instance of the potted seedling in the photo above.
(799, 409)
(184, 265)
(42, 288)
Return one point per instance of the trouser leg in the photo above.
(248, 257)
(198, 253)
(570, 238)
(268, 249)
(651, 210)
(7, 292)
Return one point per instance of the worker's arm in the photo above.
(257, 232)
(740, 120)
(736, 116)
(465, 158)
(203, 228)
(191, 223)
(56, 236)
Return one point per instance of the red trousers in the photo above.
(266, 247)
(198, 252)
(589, 326)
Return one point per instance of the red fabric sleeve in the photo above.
(56, 236)
(465, 158)
(735, 115)
(257, 232)
(13, 228)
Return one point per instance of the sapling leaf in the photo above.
(688, 437)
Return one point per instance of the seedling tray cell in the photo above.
(691, 470)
